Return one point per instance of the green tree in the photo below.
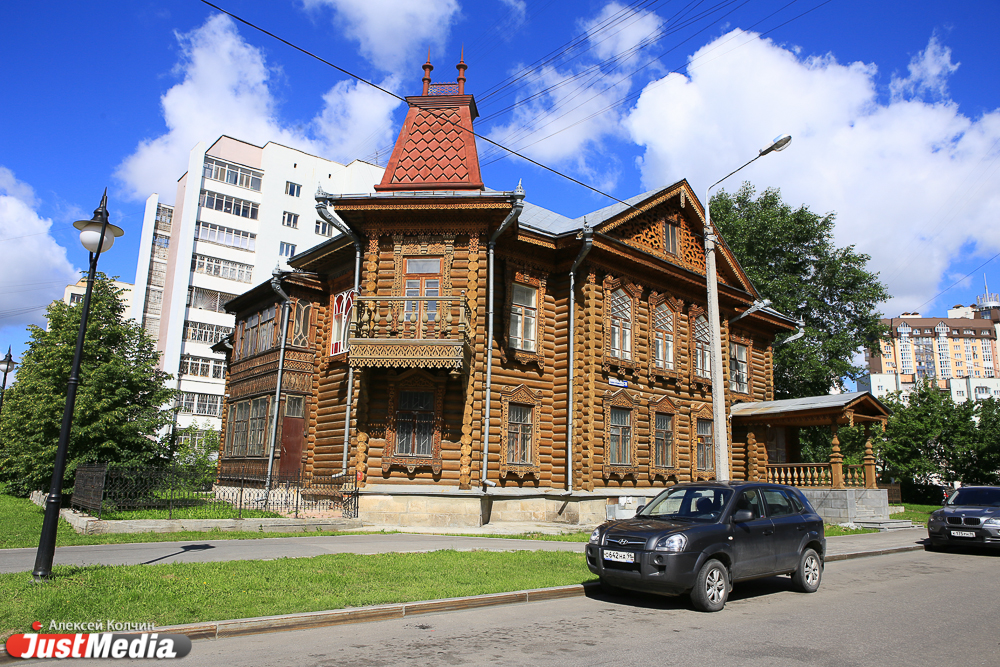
(981, 465)
(119, 402)
(196, 448)
(790, 257)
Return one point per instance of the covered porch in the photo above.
(767, 436)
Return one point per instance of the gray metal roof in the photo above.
(801, 404)
(544, 220)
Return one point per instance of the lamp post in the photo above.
(6, 365)
(720, 432)
(97, 235)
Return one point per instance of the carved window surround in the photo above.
(634, 291)
(676, 306)
(667, 407)
(520, 273)
(524, 396)
(414, 380)
(621, 399)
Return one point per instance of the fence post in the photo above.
(836, 461)
(170, 503)
(104, 478)
(298, 492)
(239, 512)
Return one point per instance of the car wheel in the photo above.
(611, 589)
(807, 578)
(711, 587)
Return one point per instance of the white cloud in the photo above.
(911, 181)
(562, 115)
(516, 13)
(35, 270)
(393, 33)
(225, 88)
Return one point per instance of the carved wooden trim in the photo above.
(634, 291)
(702, 383)
(414, 380)
(524, 396)
(621, 399)
(676, 306)
(520, 273)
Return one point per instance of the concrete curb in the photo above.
(317, 619)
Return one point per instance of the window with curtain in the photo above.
(620, 318)
(663, 337)
(519, 434)
(619, 436)
(702, 345)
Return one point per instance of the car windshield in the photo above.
(980, 497)
(687, 503)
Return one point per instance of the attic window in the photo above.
(670, 237)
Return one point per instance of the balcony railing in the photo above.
(411, 331)
(805, 475)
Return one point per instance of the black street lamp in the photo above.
(97, 235)
(7, 365)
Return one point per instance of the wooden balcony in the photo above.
(819, 475)
(411, 332)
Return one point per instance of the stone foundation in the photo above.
(849, 505)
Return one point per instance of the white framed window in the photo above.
(324, 228)
(663, 336)
(234, 174)
(227, 204)
(209, 405)
(620, 320)
(200, 332)
(286, 249)
(290, 220)
(702, 348)
(739, 375)
(222, 268)
(202, 366)
(227, 236)
(343, 309)
(523, 317)
(292, 189)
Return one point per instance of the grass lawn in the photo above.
(188, 592)
(213, 510)
(833, 530)
(918, 514)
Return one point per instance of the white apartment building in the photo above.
(240, 210)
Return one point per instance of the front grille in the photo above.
(955, 520)
(968, 521)
(624, 541)
(971, 521)
(614, 565)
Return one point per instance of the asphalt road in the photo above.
(911, 609)
(23, 560)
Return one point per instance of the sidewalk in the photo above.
(201, 551)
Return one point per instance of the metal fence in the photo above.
(241, 491)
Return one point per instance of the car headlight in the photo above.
(595, 536)
(674, 543)
(937, 518)
(994, 521)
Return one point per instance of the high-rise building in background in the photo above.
(240, 210)
(959, 352)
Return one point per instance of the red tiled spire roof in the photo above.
(436, 149)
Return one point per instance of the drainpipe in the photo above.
(286, 307)
(511, 218)
(588, 242)
(338, 222)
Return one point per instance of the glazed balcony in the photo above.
(411, 332)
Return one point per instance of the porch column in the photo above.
(836, 462)
(870, 481)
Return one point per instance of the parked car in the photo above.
(970, 517)
(701, 538)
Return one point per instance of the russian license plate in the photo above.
(963, 533)
(619, 556)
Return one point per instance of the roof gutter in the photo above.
(330, 216)
(588, 243)
(515, 212)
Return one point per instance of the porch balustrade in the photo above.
(805, 475)
(411, 331)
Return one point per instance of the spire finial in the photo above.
(461, 66)
(428, 68)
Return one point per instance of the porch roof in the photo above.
(843, 409)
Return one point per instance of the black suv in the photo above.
(700, 538)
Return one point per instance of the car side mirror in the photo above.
(742, 516)
(639, 508)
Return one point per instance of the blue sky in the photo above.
(894, 107)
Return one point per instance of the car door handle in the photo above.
(800, 527)
(769, 532)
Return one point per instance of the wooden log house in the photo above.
(579, 373)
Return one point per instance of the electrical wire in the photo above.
(967, 275)
(440, 117)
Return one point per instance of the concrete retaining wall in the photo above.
(849, 505)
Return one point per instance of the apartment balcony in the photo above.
(411, 332)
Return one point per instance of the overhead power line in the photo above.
(402, 99)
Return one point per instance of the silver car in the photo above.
(970, 517)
